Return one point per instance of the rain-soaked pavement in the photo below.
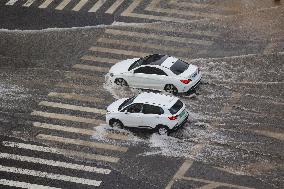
(53, 96)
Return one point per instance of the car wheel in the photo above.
(120, 82)
(171, 89)
(163, 130)
(115, 123)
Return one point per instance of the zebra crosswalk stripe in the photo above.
(118, 51)
(97, 6)
(100, 59)
(26, 185)
(54, 163)
(45, 4)
(60, 151)
(63, 4)
(74, 96)
(50, 175)
(114, 6)
(91, 68)
(80, 5)
(11, 2)
(28, 3)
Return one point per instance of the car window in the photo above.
(157, 71)
(134, 108)
(150, 109)
(126, 102)
(176, 107)
(154, 59)
(150, 70)
(179, 67)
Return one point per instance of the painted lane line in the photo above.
(143, 45)
(80, 131)
(63, 4)
(50, 175)
(26, 185)
(68, 118)
(100, 59)
(72, 107)
(60, 151)
(217, 183)
(28, 3)
(153, 7)
(160, 37)
(118, 51)
(114, 6)
(97, 6)
(54, 163)
(11, 2)
(80, 5)
(45, 4)
(135, 4)
(91, 68)
(73, 96)
(82, 143)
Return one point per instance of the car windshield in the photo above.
(176, 107)
(126, 102)
(179, 67)
(155, 59)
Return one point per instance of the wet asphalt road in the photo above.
(234, 137)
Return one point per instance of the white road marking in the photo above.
(60, 151)
(140, 44)
(45, 4)
(26, 185)
(82, 143)
(160, 37)
(50, 175)
(118, 51)
(11, 2)
(68, 118)
(79, 87)
(80, 131)
(91, 68)
(114, 6)
(97, 6)
(72, 107)
(63, 4)
(28, 3)
(80, 5)
(129, 12)
(54, 163)
(73, 75)
(277, 135)
(209, 186)
(73, 96)
(100, 59)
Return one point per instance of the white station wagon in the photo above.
(158, 72)
(148, 110)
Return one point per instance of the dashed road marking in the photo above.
(114, 6)
(60, 151)
(26, 185)
(96, 122)
(73, 96)
(82, 143)
(160, 37)
(72, 107)
(50, 175)
(118, 51)
(80, 5)
(79, 131)
(100, 59)
(97, 6)
(91, 68)
(45, 4)
(54, 163)
(63, 4)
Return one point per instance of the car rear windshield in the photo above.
(126, 102)
(176, 107)
(179, 67)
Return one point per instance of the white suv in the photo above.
(148, 110)
(159, 72)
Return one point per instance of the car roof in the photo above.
(156, 99)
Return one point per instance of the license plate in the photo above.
(182, 113)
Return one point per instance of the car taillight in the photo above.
(185, 81)
(173, 117)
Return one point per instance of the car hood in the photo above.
(115, 105)
(189, 72)
(122, 66)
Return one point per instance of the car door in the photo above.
(157, 78)
(132, 115)
(141, 77)
(152, 115)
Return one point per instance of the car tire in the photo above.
(163, 130)
(121, 82)
(171, 89)
(116, 123)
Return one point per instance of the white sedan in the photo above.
(158, 72)
(149, 111)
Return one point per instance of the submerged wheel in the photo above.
(171, 89)
(115, 123)
(120, 82)
(163, 130)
